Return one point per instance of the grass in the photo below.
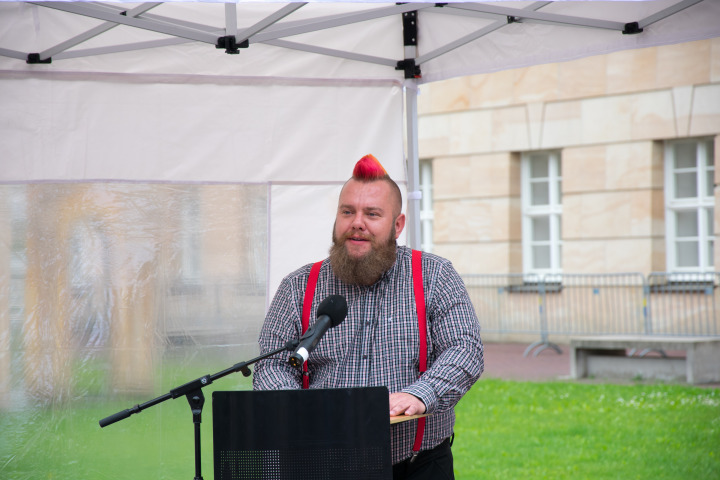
(505, 430)
(65, 441)
(580, 430)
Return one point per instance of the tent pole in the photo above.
(413, 165)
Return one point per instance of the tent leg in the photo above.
(413, 165)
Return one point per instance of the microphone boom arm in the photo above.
(196, 384)
(193, 392)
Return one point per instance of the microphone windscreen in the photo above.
(334, 307)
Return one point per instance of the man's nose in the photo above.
(357, 222)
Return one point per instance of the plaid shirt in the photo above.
(378, 343)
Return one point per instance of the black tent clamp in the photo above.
(34, 58)
(411, 70)
(410, 39)
(632, 28)
(229, 43)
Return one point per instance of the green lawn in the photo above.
(580, 431)
(505, 430)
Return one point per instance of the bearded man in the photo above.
(379, 342)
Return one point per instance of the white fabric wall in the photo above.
(90, 127)
(107, 182)
(302, 139)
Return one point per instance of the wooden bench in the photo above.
(607, 357)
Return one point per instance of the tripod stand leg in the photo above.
(196, 399)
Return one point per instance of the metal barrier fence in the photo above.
(684, 304)
(597, 304)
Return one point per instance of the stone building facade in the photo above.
(599, 165)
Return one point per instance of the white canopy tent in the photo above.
(123, 99)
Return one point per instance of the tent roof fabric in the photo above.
(336, 41)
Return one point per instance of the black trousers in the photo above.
(434, 464)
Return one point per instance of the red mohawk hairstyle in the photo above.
(369, 168)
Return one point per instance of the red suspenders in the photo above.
(422, 331)
(422, 324)
(307, 305)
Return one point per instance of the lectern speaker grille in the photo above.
(323, 464)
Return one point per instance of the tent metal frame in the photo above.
(270, 31)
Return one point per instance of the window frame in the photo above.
(553, 210)
(703, 204)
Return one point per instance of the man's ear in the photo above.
(399, 225)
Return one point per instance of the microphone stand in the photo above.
(193, 392)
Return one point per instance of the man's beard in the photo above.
(367, 269)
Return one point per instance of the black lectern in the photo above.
(323, 434)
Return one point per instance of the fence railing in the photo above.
(597, 304)
(684, 304)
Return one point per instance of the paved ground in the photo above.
(506, 361)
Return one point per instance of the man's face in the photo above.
(366, 215)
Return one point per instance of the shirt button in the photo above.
(365, 357)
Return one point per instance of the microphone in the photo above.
(331, 312)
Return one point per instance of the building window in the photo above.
(542, 213)
(426, 206)
(689, 201)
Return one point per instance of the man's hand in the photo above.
(404, 403)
